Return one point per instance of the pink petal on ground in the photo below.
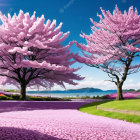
(61, 120)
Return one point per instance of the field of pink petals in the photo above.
(58, 121)
(127, 95)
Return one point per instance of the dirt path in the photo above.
(131, 112)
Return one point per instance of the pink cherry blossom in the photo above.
(32, 54)
(126, 95)
(113, 45)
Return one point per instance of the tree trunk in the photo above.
(23, 91)
(119, 92)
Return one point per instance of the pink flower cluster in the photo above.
(38, 52)
(127, 95)
(61, 120)
(102, 42)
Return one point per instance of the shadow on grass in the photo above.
(12, 133)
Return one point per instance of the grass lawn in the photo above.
(91, 109)
(123, 105)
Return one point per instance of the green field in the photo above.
(123, 105)
(91, 109)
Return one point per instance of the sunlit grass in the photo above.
(91, 109)
(123, 105)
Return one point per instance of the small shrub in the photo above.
(104, 97)
(138, 90)
(66, 99)
(96, 97)
(85, 97)
(37, 98)
(5, 98)
(33, 98)
(138, 97)
(11, 90)
(15, 96)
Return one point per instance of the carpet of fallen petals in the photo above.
(58, 121)
(126, 95)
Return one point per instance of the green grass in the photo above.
(31, 98)
(11, 90)
(91, 109)
(123, 105)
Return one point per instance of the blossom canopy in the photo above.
(31, 52)
(114, 44)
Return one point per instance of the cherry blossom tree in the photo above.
(114, 45)
(31, 53)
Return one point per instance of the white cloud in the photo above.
(130, 80)
(7, 87)
(131, 85)
(101, 84)
(89, 82)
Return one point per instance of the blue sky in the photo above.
(75, 16)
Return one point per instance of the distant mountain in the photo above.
(81, 90)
